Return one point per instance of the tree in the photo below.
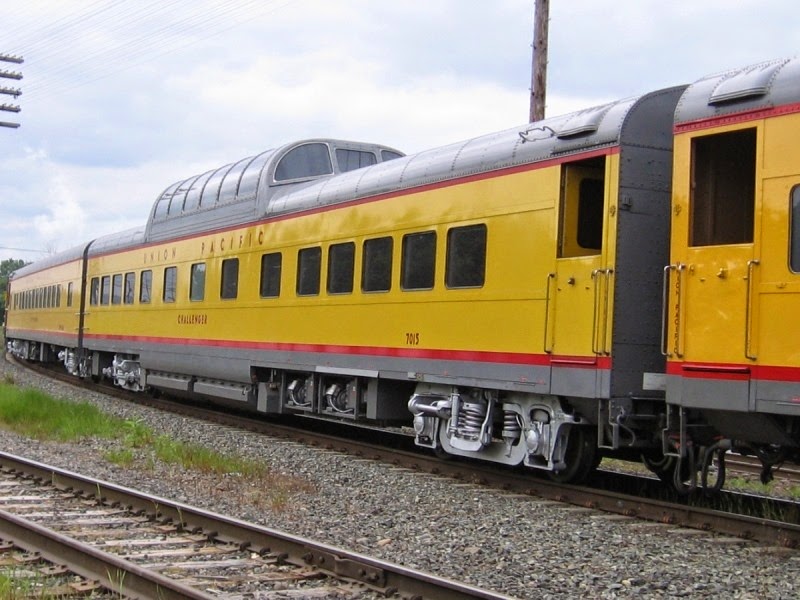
(7, 267)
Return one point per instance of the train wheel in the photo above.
(441, 453)
(581, 456)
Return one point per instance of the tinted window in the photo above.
(197, 285)
(229, 286)
(230, 185)
(146, 286)
(130, 288)
(69, 294)
(389, 155)
(210, 192)
(376, 272)
(94, 296)
(308, 160)
(116, 289)
(195, 189)
(105, 289)
(170, 284)
(466, 256)
(308, 267)
(341, 258)
(354, 159)
(419, 261)
(249, 182)
(271, 275)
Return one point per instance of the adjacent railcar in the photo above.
(43, 314)
(732, 286)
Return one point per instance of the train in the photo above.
(621, 281)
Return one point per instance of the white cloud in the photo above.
(111, 116)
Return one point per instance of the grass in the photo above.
(35, 414)
(22, 584)
(133, 444)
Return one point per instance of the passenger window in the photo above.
(582, 208)
(794, 233)
(197, 285)
(230, 184)
(308, 160)
(389, 155)
(116, 290)
(308, 267)
(69, 294)
(210, 193)
(418, 266)
(466, 256)
(723, 188)
(130, 288)
(376, 270)
(271, 275)
(229, 286)
(341, 260)
(349, 160)
(252, 174)
(105, 289)
(170, 284)
(94, 293)
(192, 200)
(146, 287)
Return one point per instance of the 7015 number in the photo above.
(412, 339)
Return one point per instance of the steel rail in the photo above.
(112, 572)
(388, 578)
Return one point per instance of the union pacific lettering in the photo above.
(159, 255)
(232, 242)
(199, 319)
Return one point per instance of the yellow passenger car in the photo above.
(733, 283)
(43, 307)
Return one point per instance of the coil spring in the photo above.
(470, 418)
(511, 425)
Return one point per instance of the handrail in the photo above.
(748, 315)
(599, 341)
(547, 312)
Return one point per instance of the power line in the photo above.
(23, 250)
(122, 35)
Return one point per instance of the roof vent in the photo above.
(751, 82)
(582, 123)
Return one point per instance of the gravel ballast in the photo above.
(516, 545)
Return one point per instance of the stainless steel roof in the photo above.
(763, 85)
(232, 194)
(593, 128)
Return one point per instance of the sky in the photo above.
(121, 98)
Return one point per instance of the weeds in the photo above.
(37, 415)
(18, 584)
(134, 444)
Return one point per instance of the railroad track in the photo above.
(752, 466)
(749, 518)
(140, 546)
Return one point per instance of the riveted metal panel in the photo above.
(760, 86)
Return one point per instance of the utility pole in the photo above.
(541, 18)
(15, 108)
